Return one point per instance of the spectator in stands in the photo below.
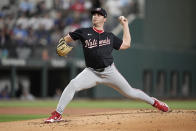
(20, 35)
(26, 7)
(78, 6)
(62, 4)
(87, 5)
(57, 94)
(47, 22)
(85, 21)
(26, 95)
(59, 22)
(1, 22)
(2, 38)
(40, 7)
(31, 38)
(125, 4)
(5, 36)
(4, 94)
(43, 36)
(5, 32)
(22, 21)
(10, 21)
(34, 22)
(114, 7)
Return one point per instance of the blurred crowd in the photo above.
(29, 28)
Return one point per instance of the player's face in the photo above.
(98, 19)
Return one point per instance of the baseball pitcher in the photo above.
(100, 68)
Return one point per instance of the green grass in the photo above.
(38, 103)
(175, 104)
(6, 118)
(108, 104)
(188, 105)
(129, 104)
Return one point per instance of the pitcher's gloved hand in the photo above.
(63, 48)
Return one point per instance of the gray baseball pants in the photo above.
(89, 78)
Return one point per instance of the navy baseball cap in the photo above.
(100, 11)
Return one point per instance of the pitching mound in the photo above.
(121, 120)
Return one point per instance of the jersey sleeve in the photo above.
(77, 34)
(117, 42)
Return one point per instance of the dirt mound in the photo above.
(121, 120)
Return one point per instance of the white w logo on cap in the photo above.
(98, 9)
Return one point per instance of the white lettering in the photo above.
(15, 62)
(93, 43)
(58, 63)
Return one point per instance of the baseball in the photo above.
(121, 18)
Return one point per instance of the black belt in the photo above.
(100, 69)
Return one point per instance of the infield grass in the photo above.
(129, 104)
(174, 104)
(6, 118)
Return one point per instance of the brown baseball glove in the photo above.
(63, 48)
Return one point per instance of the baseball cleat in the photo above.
(160, 105)
(55, 117)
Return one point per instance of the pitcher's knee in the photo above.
(73, 84)
(134, 93)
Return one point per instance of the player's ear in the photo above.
(105, 19)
